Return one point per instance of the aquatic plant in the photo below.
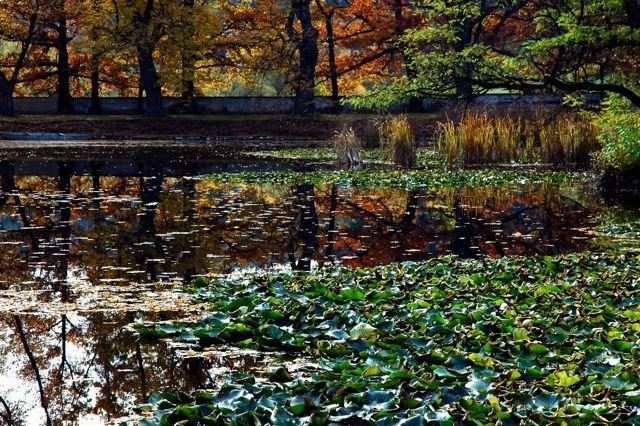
(347, 147)
(403, 179)
(546, 340)
(426, 157)
(397, 140)
(484, 138)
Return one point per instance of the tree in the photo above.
(59, 22)
(362, 42)
(307, 45)
(20, 24)
(468, 47)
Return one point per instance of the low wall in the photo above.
(252, 105)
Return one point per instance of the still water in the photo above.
(87, 249)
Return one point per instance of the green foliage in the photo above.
(444, 340)
(620, 136)
(469, 46)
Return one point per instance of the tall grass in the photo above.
(485, 138)
(397, 140)
(347, 146)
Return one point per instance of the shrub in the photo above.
(620, 137)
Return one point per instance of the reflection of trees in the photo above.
(34, 366)
(303, 235)
(88, 364)
(381, 226)
(142, 229)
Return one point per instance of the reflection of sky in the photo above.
(10, 223)
(22, 393)
(84, 224)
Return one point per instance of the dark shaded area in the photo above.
(298, 130)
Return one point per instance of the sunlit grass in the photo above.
(486, 138)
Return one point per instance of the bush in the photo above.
(620, 138)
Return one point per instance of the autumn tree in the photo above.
(362, 42)
(306, 41)
(20, 24)
(60, 26)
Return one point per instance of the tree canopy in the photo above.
(384, 50)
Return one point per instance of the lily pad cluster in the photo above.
(539, 340)
(425, 156)
(403, 179)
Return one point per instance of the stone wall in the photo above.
(252, 105)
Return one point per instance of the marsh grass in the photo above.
(486, 138)
(397, 140)
(347, 147)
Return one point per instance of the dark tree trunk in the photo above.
(308, 50)
(140, 104)
(145, 45)
(464, 241)
(7, 173)
(308, 232)
(331, 234)
(333, 69)
(464, 88)
(64, 88)
(44, 403)
(6, 95)
(149, 79)
(95, 107)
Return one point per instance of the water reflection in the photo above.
(85, 367)
(99, 250)
(99, 230)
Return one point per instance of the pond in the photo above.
(89, 248)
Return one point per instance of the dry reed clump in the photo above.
(397, 140)
(347, 146)
(483, 138)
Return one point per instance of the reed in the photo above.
(397, 140)
(482, 138)
(347, 147)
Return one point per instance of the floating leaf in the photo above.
(363, 331)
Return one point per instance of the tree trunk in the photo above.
(308, 49)
(333, 70)
(64, 89)
(464, 88)
(149, 79)
(6, 95)
(415, 103)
